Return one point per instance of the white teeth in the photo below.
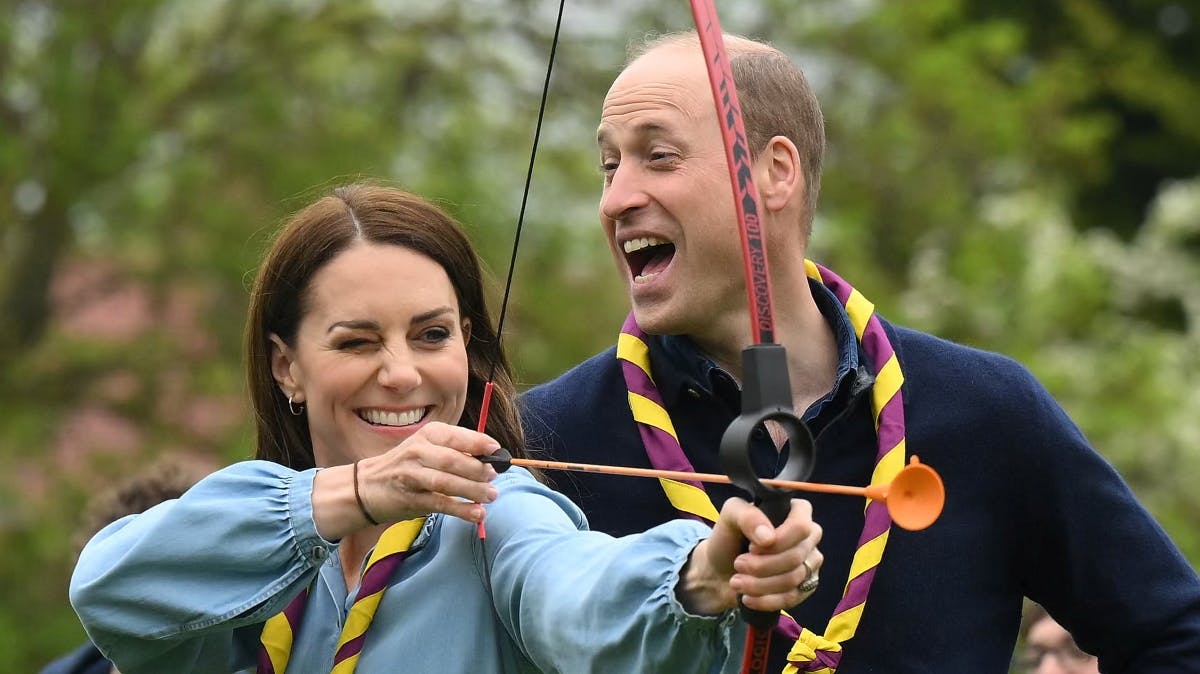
(644, 242)
(642, 278)
(383, 418)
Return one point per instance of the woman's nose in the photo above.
(398, 370)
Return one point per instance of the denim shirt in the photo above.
(186, 586)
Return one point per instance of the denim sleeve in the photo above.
(583, 601)
(186, 585)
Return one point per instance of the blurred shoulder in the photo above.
(587, 387)
(580, 379)
(923, 355)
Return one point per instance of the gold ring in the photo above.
(811, 580)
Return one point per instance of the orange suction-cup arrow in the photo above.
(915, 497)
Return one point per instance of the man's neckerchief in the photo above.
(814, 653)
(280, 631)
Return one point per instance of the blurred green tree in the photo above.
(149, 148)
(1016, 176)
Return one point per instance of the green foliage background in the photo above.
(1019, 176)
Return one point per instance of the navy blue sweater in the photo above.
(1031, 509)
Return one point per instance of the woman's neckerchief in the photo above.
(813, 653)
(280, 631)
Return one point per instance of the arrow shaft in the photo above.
(684, 476)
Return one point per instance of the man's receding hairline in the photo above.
(734, 44)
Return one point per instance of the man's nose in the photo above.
(624, 193)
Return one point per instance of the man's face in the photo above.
(667, 206)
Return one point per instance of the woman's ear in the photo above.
(781, 177)
(282, 360)
(466, 330)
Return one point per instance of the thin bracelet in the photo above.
(357, 497)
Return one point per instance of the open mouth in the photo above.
(647, 257)
(394, 419)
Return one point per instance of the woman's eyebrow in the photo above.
(366, 324)
(358, 324)
(431, 314)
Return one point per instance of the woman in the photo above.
(367, 348)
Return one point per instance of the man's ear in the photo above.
(282, 360)
(781, 177)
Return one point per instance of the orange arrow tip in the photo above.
(916, 496)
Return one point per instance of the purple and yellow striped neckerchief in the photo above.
(280, 630)
(813, 653)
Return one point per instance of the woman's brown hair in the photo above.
(306, 243)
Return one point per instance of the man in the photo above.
(1032, 510)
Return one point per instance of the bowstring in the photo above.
(512, 265)
(537, 133)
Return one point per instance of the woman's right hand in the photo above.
(434, 470)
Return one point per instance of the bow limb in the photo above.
(739, 157)
(766, 392)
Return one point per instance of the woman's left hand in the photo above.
(768, 575)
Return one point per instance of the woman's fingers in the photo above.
(775, 573)
(464, 440)
(432, 471)
(442, 484)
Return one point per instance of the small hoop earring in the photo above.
(295, 409)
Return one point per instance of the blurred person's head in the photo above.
(1050, 649)
(166, 478)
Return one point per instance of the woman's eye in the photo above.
(353, 343)
(435, 335)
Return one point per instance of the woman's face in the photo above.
(380, 352)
